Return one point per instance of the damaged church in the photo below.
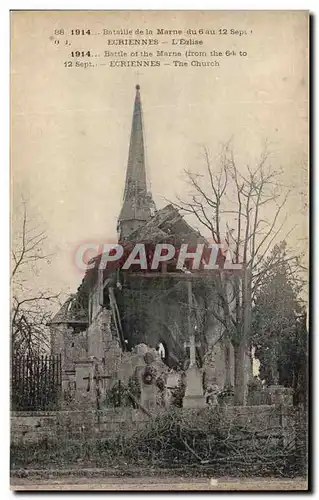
(105, 331)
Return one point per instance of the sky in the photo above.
(70, 127)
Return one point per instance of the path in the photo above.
(157, 484)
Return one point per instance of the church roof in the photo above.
(167, 225)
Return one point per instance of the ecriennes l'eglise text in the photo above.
(151, 41)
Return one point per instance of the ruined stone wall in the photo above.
(75, 343)
(71, 343)
(95, 299)
(57, 333)
(99, 333)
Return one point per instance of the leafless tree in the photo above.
(30, 309)
(244, 208)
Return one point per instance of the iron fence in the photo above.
(35, 383)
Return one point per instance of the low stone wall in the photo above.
(32, 426)
(36, 426)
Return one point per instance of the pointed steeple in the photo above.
(137, 202)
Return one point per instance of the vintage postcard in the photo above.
(159, 277)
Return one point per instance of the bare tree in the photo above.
(30, 309)
(242, 208)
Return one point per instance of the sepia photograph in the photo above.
(159, 250)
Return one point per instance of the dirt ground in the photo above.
(157, 484)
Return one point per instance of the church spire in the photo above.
(137, 202)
